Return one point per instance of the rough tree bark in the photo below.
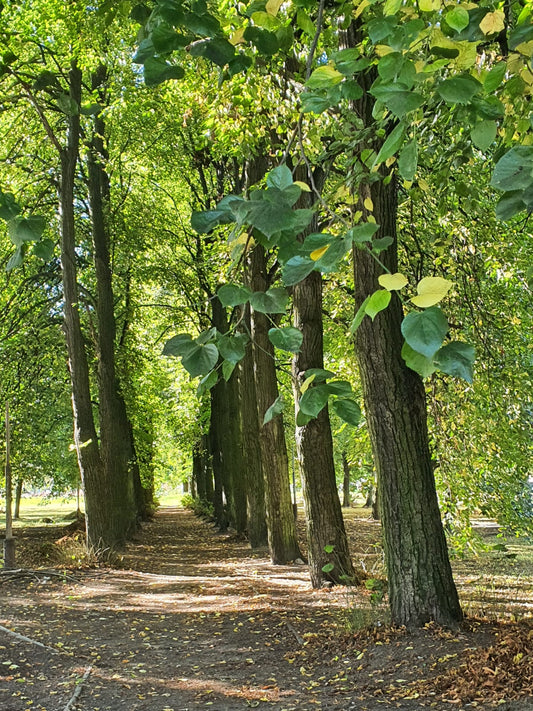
(323, 513)
(255, 487)
(116, 443)
(345, 481)
(282, 540)
(95, 484)
(421, 586)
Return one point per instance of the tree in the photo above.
(382, 86)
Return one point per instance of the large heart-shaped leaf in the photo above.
(425, 331)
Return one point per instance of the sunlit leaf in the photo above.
(492, 23)
(431, 290)
(392, 282)
(378, 301)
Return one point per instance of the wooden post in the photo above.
(9, 541)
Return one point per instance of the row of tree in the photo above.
(332, 159)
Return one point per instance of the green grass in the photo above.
(33, 510)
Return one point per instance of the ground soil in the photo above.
(190, 619)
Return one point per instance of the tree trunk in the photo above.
(255, 487)
(116, 445)
(346, 502)
(230, 441)
(208, 467)
(198, 469)
(329, 556)
(282, 540)
(18, 497)
(218, 416)
(101, 533)
(421, 586)
(235, 458)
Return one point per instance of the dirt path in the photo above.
(194, 620)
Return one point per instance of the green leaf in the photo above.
(296, 269)
(8, 206)
(347, 410)
(217, 50)
(363, 232)
(206, 336)
(495, 77)
(323, 77)
(26, 229)
(67, 105)
(347, 60)
(458, 18)
(314, 103)
(328, 568)
(408, 160)
(280, 177)
(302, 419)
(265, 41)
(392, 143)
(520, 34)
(329, 548)
(201, 359)
(484, 134)
(391, 7)
(233, 295)
(378, 301)
(44, 249)
(380, 245)
(273, 301)
(510, 204)
(232, 348)
(204, 25)
(351, 90)
(240, 63)
(15, 260)
(166, 40)
(457, 359)
(275, 409)
(204, 222)
(228, 367)
(425, 331)
(397, 99)
(333, 256)
(416, 361)
(514, 170)
(319, 374)
(286, 339)
(459, 90)
(156, 71)
(341, 388)
(380, 29)
(359, 316)
(206, 383)
(314, 399)
(179, 345)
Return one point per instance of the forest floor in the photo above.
(191, 619)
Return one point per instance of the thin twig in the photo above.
(77, 690)
(295, 633)
(22, 638)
